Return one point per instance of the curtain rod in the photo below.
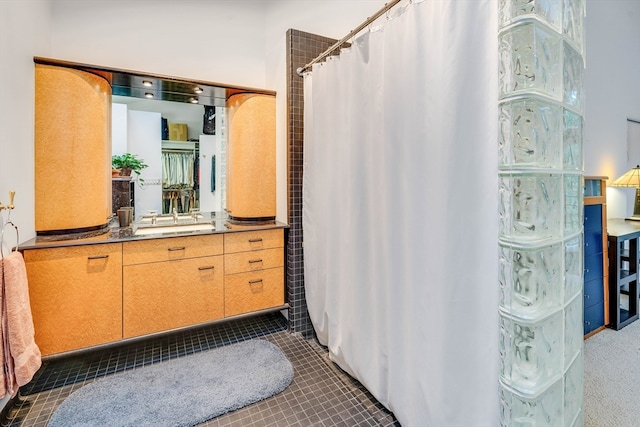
(351, 34)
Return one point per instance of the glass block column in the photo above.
(541, 104)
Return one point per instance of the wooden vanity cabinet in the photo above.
(254, 271)
(92, 294)
(172, 283)
(76, 296)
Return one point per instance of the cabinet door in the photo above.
(593, 267)
(247, 292)
(76, 296)
(593, 293)
(593, 217)
(161, 296)
(593, 318)
(592, 241)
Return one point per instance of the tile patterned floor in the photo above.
(320, 394)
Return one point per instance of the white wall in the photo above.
(218, 41)
(144, 138)
(24, 32)
(209, 147)
(174, 112)
(119, 128)
(612, 87)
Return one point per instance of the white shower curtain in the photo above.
(400, 211)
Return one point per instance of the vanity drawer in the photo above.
(173, 248)
(247, 292)
(163, 296)
(242, 262)
(253, 240)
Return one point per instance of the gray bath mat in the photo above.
(180, 392)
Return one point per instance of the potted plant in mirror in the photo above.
(128, 163)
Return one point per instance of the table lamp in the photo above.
(631, 179)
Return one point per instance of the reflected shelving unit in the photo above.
(180, 183)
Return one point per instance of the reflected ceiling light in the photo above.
(147, 83)
(194, 100)
(197, 89)
(148, 95)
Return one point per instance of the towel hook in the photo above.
(10, 206)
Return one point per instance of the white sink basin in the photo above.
(167, 218)
(141, 231)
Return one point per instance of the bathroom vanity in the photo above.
(116, 287)
(92, 288)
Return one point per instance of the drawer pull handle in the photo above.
(211, 267)
(253, 282)
(255, 240)
(98, 257)
(176, 249)
(253, 261)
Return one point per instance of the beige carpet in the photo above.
(612, 378)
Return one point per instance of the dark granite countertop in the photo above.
(113, 233)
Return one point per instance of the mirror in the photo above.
(184, 146)
(178, 127)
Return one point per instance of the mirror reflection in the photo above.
(183, 144)
(176, 127)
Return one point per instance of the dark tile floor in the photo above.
(320, 394)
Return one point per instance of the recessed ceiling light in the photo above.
(148, 95)
(147, 83)
(197, 89)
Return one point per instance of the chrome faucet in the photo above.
(175, 215)
(154, 215)
(195, 213)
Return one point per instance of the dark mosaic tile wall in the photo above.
(301, 49)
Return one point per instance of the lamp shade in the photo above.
(629, 179)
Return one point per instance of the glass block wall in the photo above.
(541, 104)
